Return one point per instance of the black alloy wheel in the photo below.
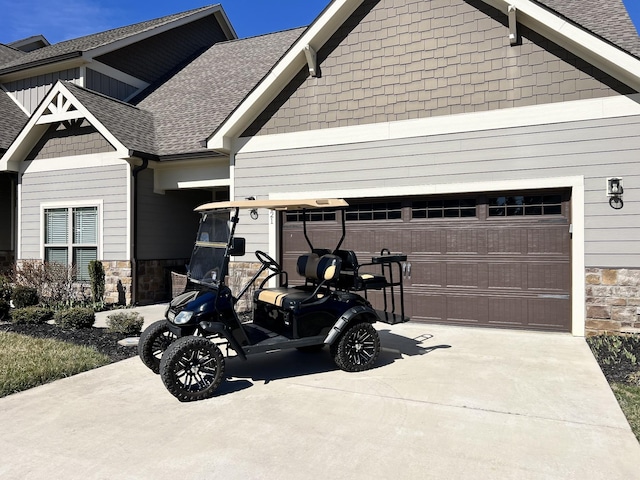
(153, 342)
(357, 349)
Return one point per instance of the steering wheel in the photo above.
(268, 262)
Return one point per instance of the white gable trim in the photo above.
(58, 105)
(315, 36)
(585, 45)
(610, 59)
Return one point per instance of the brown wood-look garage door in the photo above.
(498, 260)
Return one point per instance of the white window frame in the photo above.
(70, 205)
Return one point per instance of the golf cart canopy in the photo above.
(275, 204)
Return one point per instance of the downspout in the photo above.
(134, 241)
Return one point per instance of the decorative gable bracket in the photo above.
(513, 28)
(59, 109)
(312, 60)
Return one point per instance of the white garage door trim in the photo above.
(576, 183)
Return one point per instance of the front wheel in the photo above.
(192, 368)
(357, 349)
(155, 339)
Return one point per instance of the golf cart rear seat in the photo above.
(352, 279)
(318, 271)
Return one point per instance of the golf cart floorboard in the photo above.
(391, 318)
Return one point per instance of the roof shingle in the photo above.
(12, 119)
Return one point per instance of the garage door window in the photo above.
(375, 211)
(313, 216)
(523, 205)
(453, 208)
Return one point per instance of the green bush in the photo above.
(4, 309)
(24, 296)
(128, 323)
(96, 272)
(37, 315)
(77, 317)
(5, 288)
(611, 349)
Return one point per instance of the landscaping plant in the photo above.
(32, 315)
(24, 296)
(128, 323)
(96, 272)
(76, 317)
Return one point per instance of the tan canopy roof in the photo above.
(275, 204)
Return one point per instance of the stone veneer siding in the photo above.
(154, 279)
(613, 300)
(117, 282)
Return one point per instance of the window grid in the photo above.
(375, 211)
(451, 208)
(525, 205)
(312, 216)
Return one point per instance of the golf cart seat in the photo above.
(352, 279)
(318, 271)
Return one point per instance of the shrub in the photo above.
(6, 289)
(128, 323)
(4, 309)
(612, 349)
(53, 281)
(76, 317)
(96, 272)
(24, 296)
(35, 315)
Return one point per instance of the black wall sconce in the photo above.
(615, 190)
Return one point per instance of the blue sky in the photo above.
(67, 19)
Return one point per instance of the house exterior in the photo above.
(476, 136)
(494, 142)
(104, 158)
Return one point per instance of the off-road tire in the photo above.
(192, 368)
(357, 349)
(153, 342)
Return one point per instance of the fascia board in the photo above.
(50, 66)
(33, 130)
(316, 35)
(117, 74)
(130, 40)
(608, 58)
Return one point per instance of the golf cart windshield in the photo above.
(207, 259)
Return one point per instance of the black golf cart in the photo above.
(330, 308)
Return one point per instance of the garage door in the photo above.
(497, 260)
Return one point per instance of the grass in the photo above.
(26, 362)
(628, 397)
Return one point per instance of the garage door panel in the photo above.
(505, 241)
(462, 275)
(548, 313)
(552, 241)
(426, 307)
(548, 276)
(507, 312)
(427, 273)
(468, 309)
(426, 242)
(506, 276)
(463, 241)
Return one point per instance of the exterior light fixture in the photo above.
(615, 190)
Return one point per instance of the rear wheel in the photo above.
(155, 339)
(357, 349)
(192, 368)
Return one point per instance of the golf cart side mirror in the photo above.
(238, 246)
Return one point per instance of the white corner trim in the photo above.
(15, 100)
(92, 160)
(218, 182)
(551, 113)
(576, 183)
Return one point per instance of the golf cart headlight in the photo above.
(183, 317)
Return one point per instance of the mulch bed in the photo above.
(99, 338)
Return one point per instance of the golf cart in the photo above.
(330, 308)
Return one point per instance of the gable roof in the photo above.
(608, 19)
(601, 52)
(77, 46)
(12, 119)
(8, 54)
(132, 126)
(192, 103)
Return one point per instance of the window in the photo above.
(312, 216)
(517, 205)
(453, 208)
(375, 211)
(71, 237)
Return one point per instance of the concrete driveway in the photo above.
(443, 403)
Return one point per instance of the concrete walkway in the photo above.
(443, 403)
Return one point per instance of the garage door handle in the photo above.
(408, 270)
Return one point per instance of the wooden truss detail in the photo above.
(61, 108)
